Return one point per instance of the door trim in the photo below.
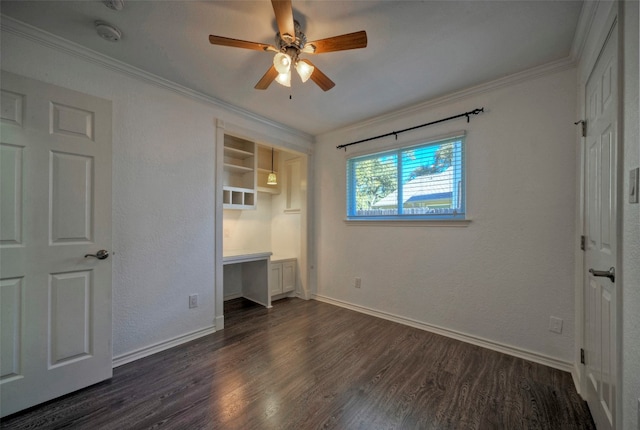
(612, 24)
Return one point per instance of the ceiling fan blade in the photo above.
(284, 18)
(266, 80)
(320, 78)
(338, 43)
(236, 43)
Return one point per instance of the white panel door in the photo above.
(601, 98)
(55, 304)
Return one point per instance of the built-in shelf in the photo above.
(238, 169)
(238, 198)
(239, 179)
(239, 153)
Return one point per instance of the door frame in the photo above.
(611, 22)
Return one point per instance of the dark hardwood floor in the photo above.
(310, 365)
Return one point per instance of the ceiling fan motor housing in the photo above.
(298, 43)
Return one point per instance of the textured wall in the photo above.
(163, 191)
(248, 230)
(504, 275)
(631, 222)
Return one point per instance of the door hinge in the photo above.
(583, 241)
(582, 356)
(583, 123)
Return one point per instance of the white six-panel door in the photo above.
(600, 222)
(55, 183)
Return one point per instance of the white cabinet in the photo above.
(282, 276)
(239, 180)
(288, 276)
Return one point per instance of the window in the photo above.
(421, 182)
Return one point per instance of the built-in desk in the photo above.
(247, 273)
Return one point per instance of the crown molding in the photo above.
(49, 40)
(506, 81)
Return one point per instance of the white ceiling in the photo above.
(417, 50)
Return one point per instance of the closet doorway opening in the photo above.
(263, 226)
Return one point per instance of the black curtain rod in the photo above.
(396, 133)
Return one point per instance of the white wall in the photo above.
(248, 230)
(630, 221)
(504, 275)
(163, 185)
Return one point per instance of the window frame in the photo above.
(458, 219)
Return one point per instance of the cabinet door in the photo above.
(275, 279)
(288, 276)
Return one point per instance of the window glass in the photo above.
(423, 182)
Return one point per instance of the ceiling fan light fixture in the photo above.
(305, 70)
(282, 62)
(284, 78)
(290, 42)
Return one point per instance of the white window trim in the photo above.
(406, 220)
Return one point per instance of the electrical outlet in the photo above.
(193, 301)
(357, 283)
(555, 325)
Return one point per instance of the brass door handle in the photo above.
(611, 273)
(100, 255)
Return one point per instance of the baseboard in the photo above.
(576, 374)
(474, 340)
(160, 346)
(283, 296)
(232, 296)
(219, 322)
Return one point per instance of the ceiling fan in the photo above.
(290, 43)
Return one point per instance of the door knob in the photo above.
(611, 273)
(100, 255)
